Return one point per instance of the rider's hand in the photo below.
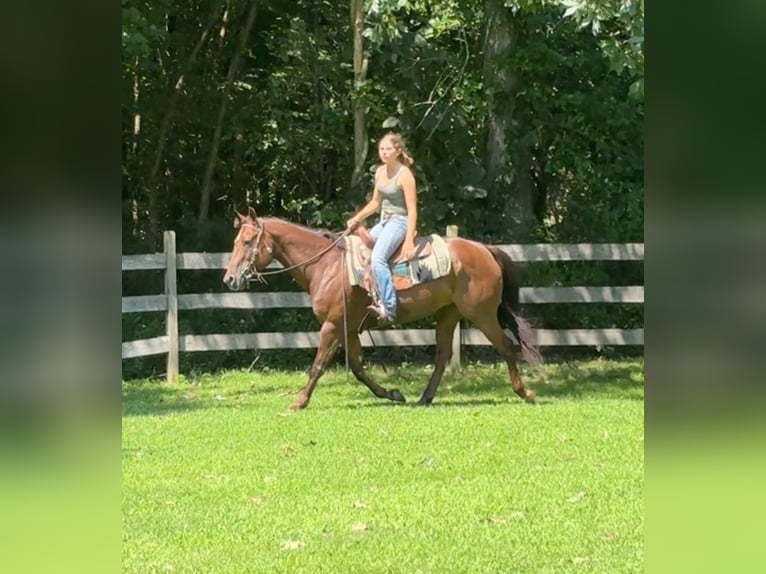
(352, 223)
(408, 249)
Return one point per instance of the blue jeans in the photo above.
(388, 235)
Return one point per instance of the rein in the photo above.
(254, 275)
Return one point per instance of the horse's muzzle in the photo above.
(232, 282)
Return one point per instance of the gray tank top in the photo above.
(392, 196)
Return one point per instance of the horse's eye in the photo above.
(249, 243)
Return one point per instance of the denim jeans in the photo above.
(388, 235)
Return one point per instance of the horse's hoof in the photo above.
(423, 403)
(530, 397)
(397, 396)
(296, 406)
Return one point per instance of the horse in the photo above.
(482, 286)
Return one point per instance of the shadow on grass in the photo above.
(412, 403)
(616, 383)
(473, 385)
(571, 380)
(152, 398)
(157, 399)
(491, 385)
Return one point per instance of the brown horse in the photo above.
(481, 287)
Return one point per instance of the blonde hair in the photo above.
(398, 142)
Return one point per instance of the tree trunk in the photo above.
(524, 188)
(360, 74)
(323, 178)
(207, 182)
(508, 187)
(165, 125)
(499, 85)
(134, 145)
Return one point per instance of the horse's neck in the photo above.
(294, 245)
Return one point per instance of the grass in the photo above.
(218, 478)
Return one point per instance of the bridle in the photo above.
(252, 274)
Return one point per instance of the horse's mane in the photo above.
(332, 235)
(321, 232)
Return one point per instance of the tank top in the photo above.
(392, 196)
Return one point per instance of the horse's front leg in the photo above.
(328, 344)
(355, 362)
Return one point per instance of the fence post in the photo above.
(454, 362)
(171, 291)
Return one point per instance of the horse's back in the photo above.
(472, 257)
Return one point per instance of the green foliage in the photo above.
(215, 480)
(619, 26)
(586, 135)
(142, 27)
(287, 132)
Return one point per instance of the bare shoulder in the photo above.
(406, 175)
(379, 173)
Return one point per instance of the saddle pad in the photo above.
(436, 263)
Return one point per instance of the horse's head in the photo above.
(252, 251)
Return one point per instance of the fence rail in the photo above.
(170, 302)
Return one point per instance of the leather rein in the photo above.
(252, 274)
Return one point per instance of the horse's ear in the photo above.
(238, 219)
(251, 213)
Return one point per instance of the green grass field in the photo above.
(217, 477)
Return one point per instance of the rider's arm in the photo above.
(407, 181)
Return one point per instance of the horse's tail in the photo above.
(508, 313)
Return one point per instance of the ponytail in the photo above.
(405, 158)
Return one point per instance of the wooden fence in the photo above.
(171, 302)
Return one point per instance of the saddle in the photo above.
(430, 261)
(423, 246)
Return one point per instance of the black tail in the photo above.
(508, 312)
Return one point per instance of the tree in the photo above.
(207, 181)
(360, 74)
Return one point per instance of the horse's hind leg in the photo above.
(355, 362)
(328, 344)
(446, 320)
(491, 328)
